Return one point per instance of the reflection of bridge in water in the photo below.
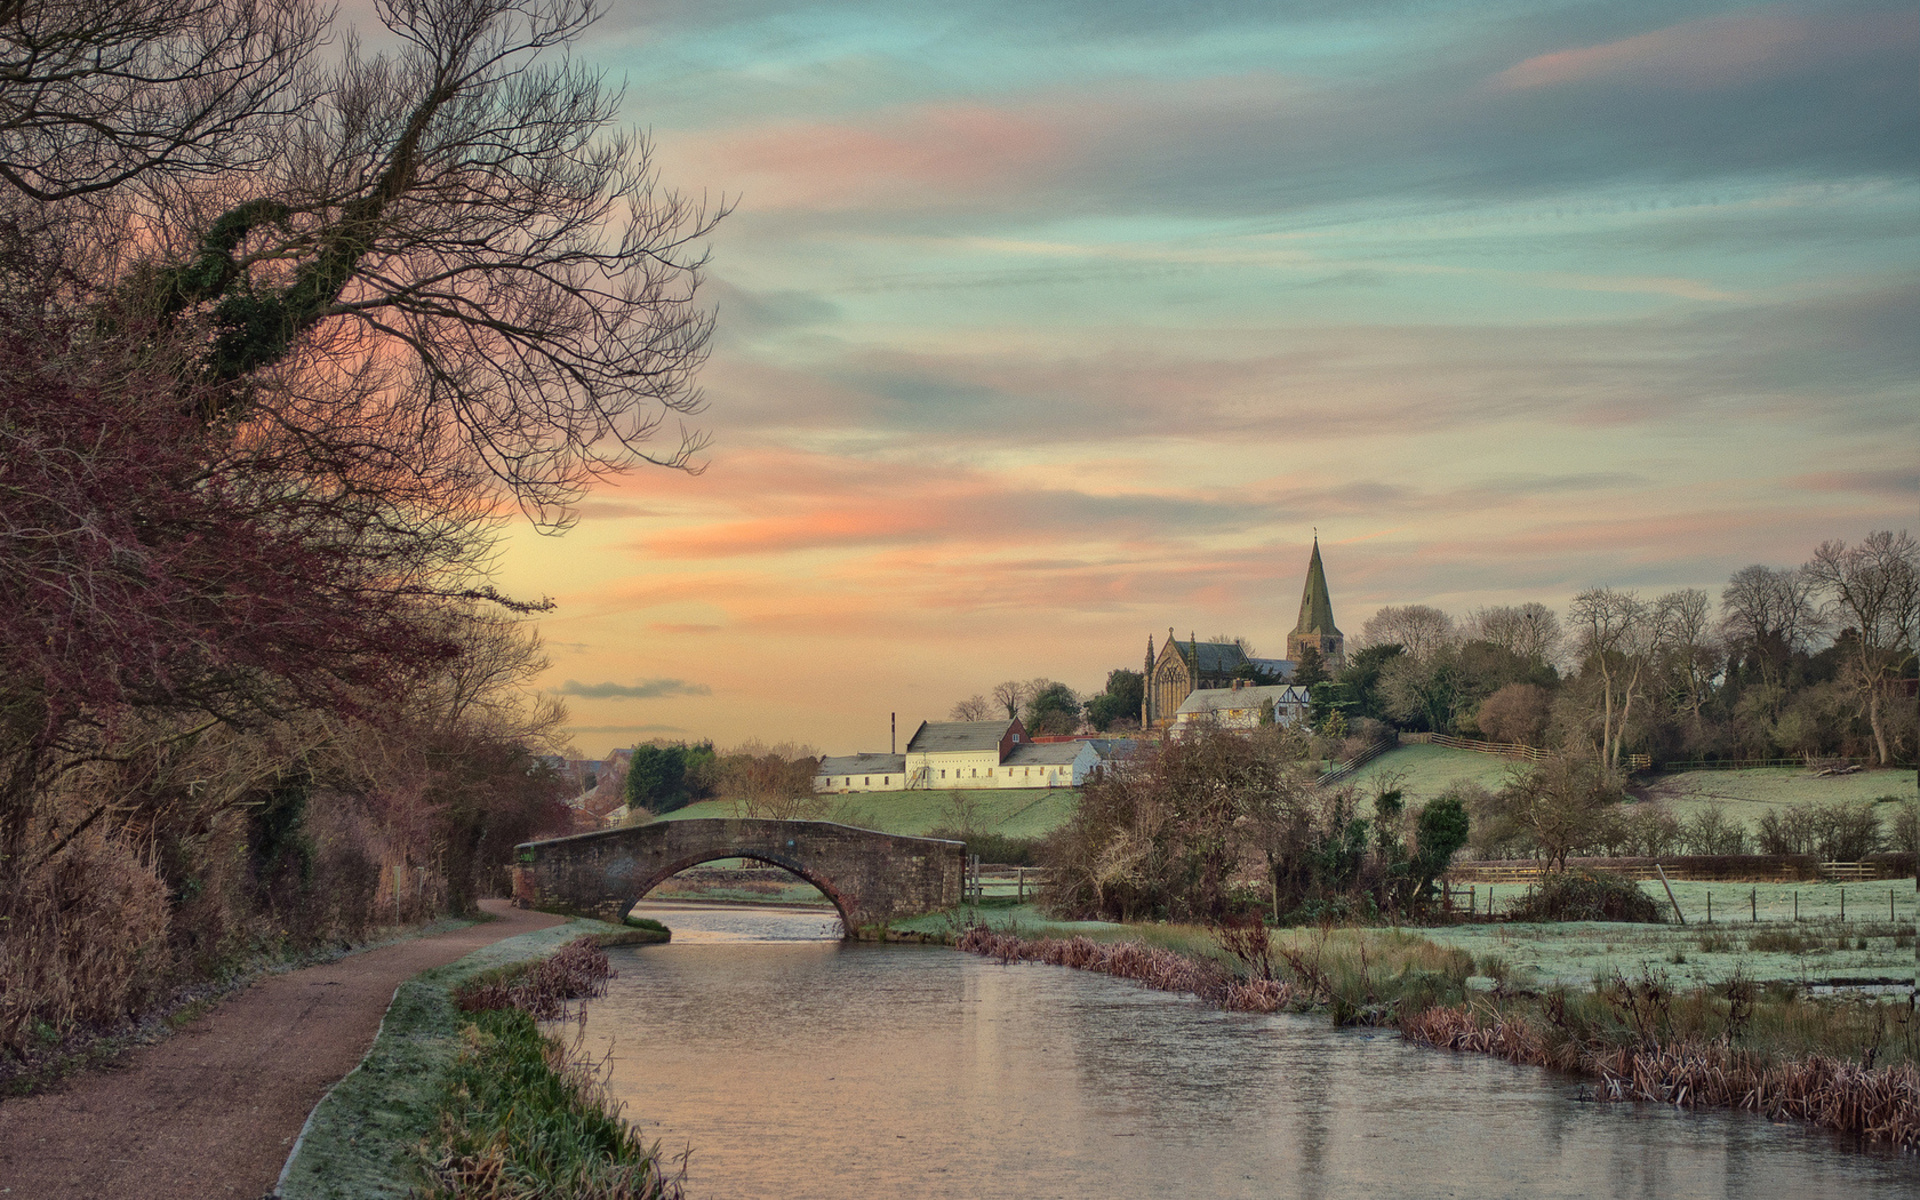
(871, 877)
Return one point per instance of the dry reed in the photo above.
(1878, 1104)
(579, 970)
(1638, 1040)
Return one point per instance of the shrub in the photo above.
(1711, 831)
(994, 847)
(1589, 896)
(1837, 831)
(1903, 832)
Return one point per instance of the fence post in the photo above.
(1670, 899)
(1753, 901)
(1843, 906)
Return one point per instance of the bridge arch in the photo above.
(871, 877)
(792, 866)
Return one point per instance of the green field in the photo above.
(1426, 771)
(1813, 950)
(1748, 794)
(1021, 813)
(1701, 953)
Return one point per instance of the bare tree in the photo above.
(1010, 694)
(973, 708)
(1418, 629)
(1768, 614)
(1560, 805)
(1618, 636)
(774, 782)
(1873, 589)
(96, 96)
(1531, 630)
(455, 225)
(1692, 651)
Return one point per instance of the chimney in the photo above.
(1238, 684)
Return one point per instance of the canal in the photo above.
(794, 1065)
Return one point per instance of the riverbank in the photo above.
(1850, 1063)
(363, 1139)
(213, 1110)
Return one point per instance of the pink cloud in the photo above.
(935, 149)
(1710, 52)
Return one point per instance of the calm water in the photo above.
(807, 1068)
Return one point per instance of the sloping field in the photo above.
(1022, 813)
(1426, 771)
(1749, 793)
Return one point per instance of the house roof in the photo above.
(1316, 607)
(1207, 700)
(863, 764)
(958, 735)
(1043, 754)
(1279, 667)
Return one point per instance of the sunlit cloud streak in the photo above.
(1045, 326)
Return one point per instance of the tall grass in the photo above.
(528, 1115)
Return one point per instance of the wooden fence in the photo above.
(1755, 868)
(1001, 880)
(1341, 770)
(1514, 750)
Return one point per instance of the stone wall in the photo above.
(871, 877)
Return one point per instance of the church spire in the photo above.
(1316, 627)
(1316, 606)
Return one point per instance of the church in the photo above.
(1182, 668)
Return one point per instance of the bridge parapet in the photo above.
(871, 877)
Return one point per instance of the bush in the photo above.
(1837, 831)
(1712, 832)
(994, 847)
(1589, 896)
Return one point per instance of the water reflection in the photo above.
(799, 1068)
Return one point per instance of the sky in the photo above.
(1044, 327)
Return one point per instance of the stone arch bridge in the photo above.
(872, 878)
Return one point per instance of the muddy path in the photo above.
(213, 1110)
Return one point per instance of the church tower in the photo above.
(1316, 627)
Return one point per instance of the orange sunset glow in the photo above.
(1043, 331)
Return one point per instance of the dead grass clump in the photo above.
(83, 940)
(1650, 1053)
(579, 970)
(1161, 969)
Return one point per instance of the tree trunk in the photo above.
(1879, 728)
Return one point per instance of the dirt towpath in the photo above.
(213, 1110)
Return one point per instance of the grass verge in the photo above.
(364, 1138)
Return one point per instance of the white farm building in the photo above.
(963, 754)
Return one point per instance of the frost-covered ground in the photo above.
(1814, 949)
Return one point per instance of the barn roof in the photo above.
(958, 735)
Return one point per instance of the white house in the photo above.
(861, 773)
(1242, 707)
(963, 754)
